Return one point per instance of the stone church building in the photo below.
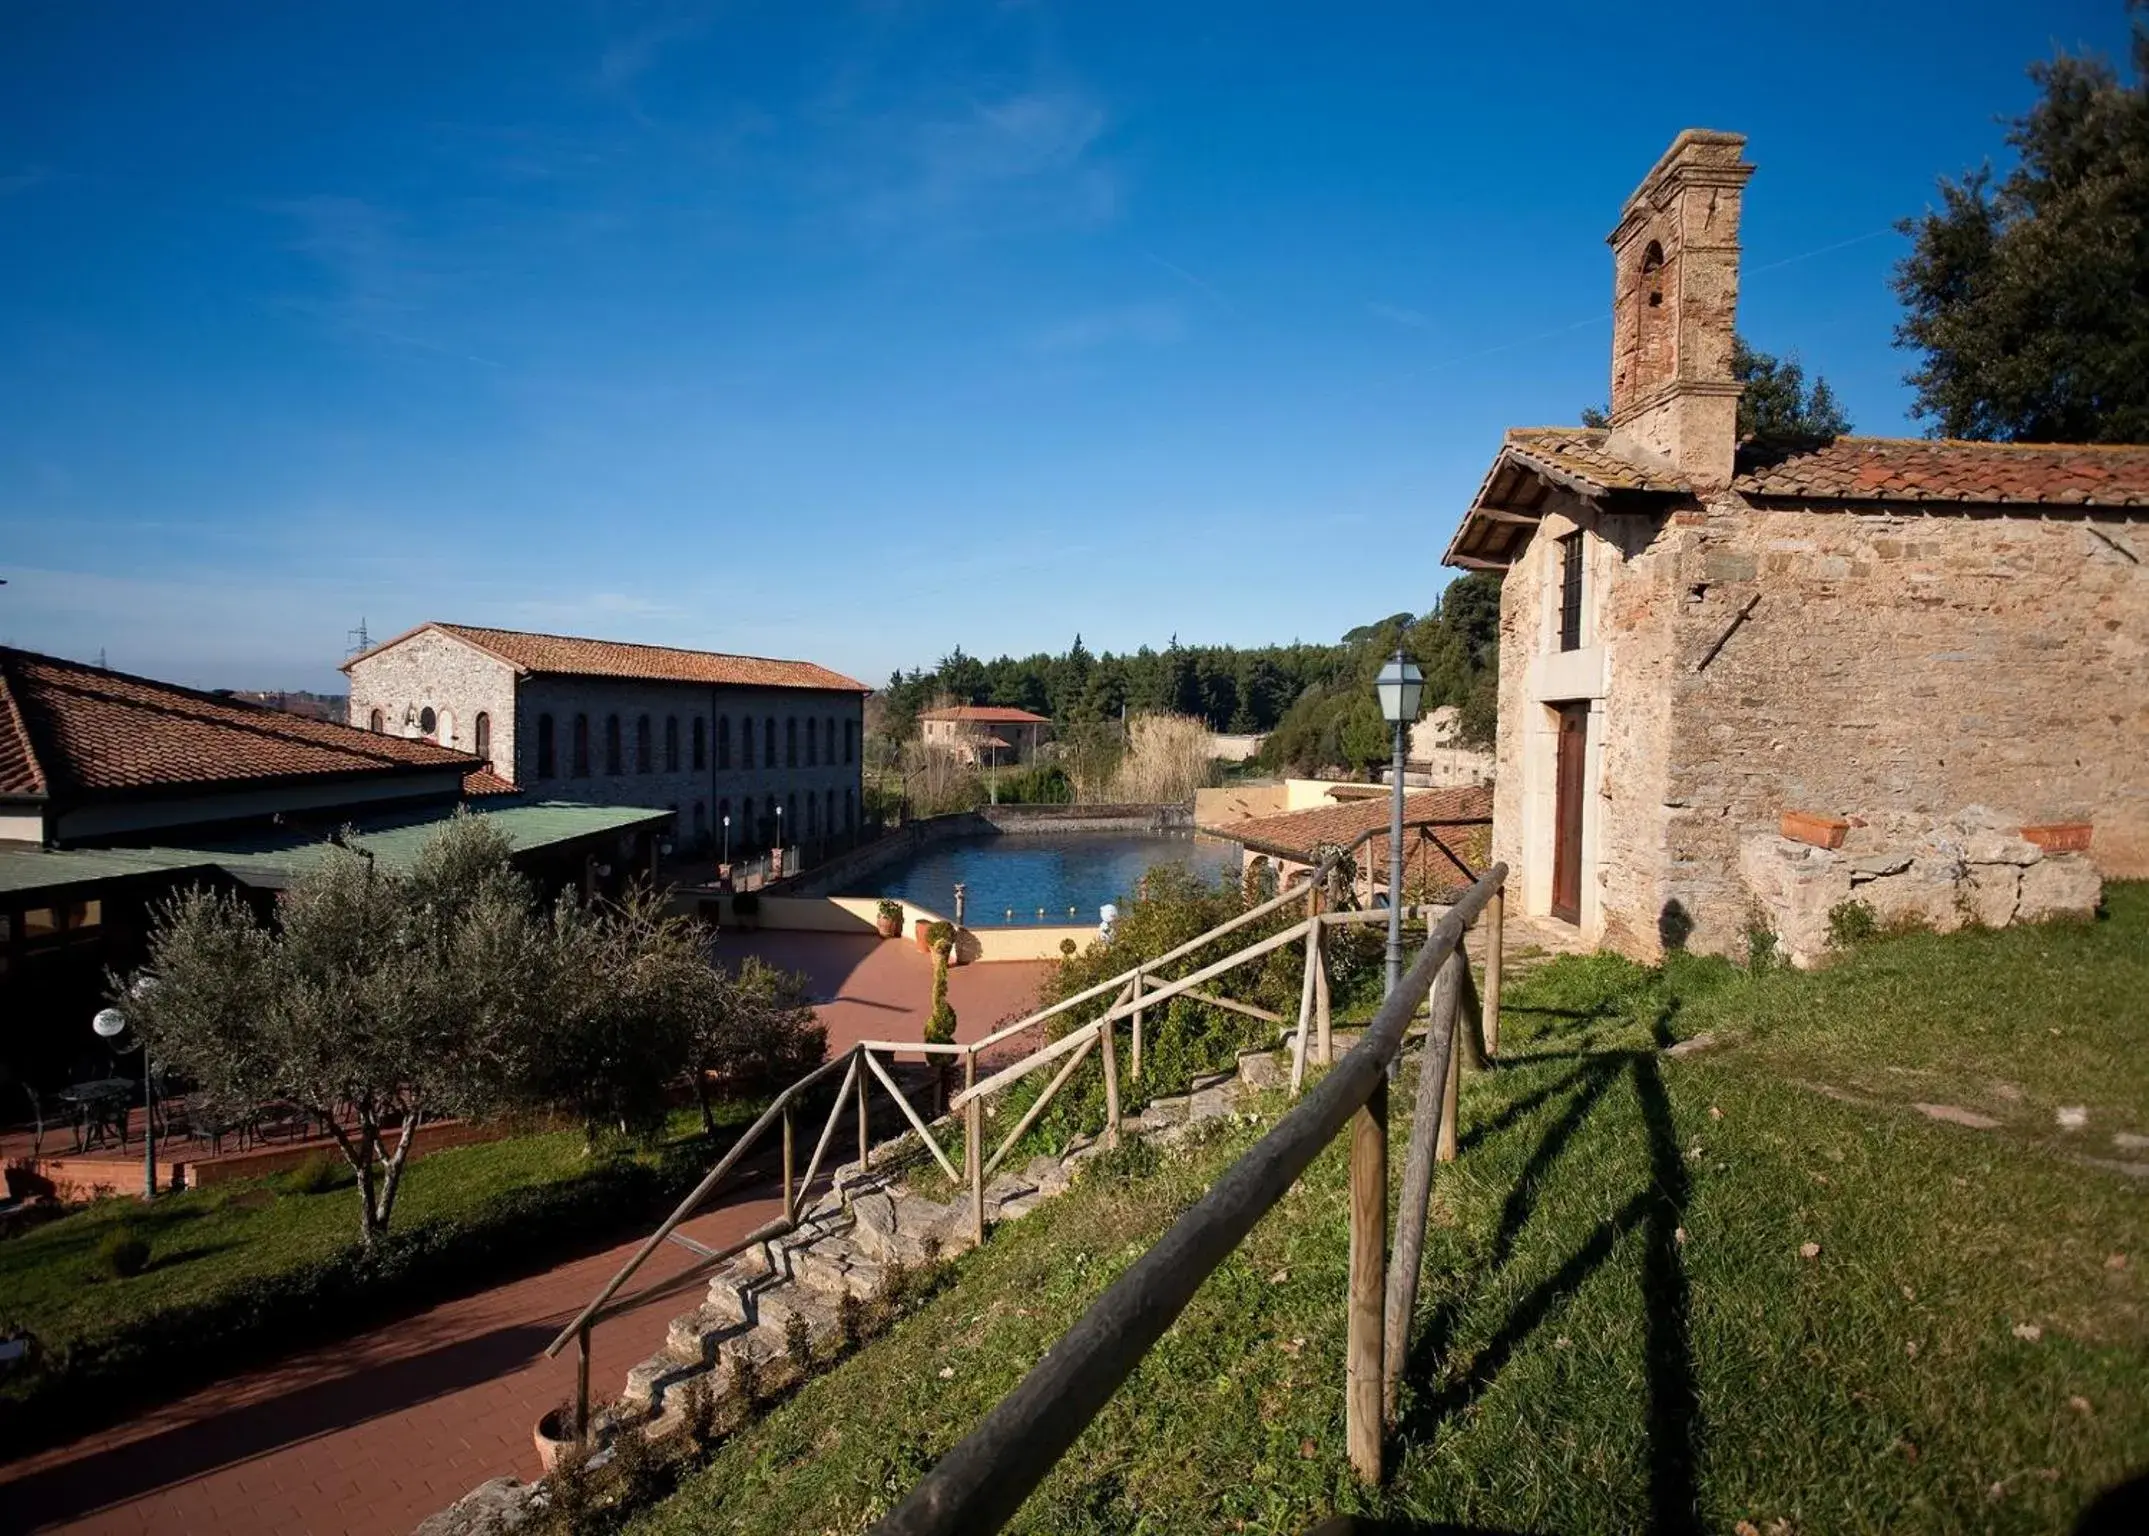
(775, 746)
(1741, 682)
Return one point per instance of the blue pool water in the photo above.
(1019, 874)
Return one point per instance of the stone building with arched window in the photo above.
(602, 722)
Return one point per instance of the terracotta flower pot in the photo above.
(551, 1438)
(889, 926)
(1820, 831)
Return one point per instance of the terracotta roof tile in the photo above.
(1580, 453)
(1296, 835)
(1948, 469)
(483, 781)
(573, 656)
(65, 727)
(984, 714)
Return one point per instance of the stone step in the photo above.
(693, 1336)
(778, 1305)
(835, 1267)
(1261, 1069)
(657, 1380)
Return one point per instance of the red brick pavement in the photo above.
(373, 1434)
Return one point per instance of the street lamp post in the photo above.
(779, 838)
(1399, 686)
(727, 837)
(110, 1024)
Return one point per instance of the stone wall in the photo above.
(1912, 871)
(1900, 663)
(712, 788)
(431, 670)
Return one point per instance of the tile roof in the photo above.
(1847, 469)
(483, 781)
(68, 728)
(1948, 469)
(984, 714)
(573, 656)
(1296, 835)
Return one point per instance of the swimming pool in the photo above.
(1013, 878)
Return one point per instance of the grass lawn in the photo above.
(252, 1264)
(1749, 1284)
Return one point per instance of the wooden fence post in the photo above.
(1105, 1031)
(1134, 1062)
(1321, 1021)
(974, 1135)
(788, 1209)
(1368, 1271)
(582, 1384)
(865, 1134)
(1450, 1097)
(1495, 941)
(1418, 1174)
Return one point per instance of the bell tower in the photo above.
(1675, 293)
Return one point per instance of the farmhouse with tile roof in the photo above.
(775, 746)
(1900, 638)
(991, 734)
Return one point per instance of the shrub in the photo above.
(798, 1342)
(1851, 923)
(850, 1321)
(939, 932)
(1762, 954)
(890, 912)
(1067, 949)
(637, 1468)
(940, 1023)
(699, 1414)
(320, 1173)
(121, 1253)
(745, 1381)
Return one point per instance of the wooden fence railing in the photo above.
(985, 1478)
(1131, 993)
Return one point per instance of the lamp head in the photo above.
(1399, 688)
(109, 1023)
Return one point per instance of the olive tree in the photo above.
(376, 1001)
(762, 1033)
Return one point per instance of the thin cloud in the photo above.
(1144, 324)
(23, 180)
(376, 283)
(1395, 314)
(1026, 160)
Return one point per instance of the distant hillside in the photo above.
(314, 706)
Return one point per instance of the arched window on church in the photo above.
(580, 765)
(481, 735)
(376, 723)
(611, 745)
(645, 760)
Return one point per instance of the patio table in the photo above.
(100, 1107)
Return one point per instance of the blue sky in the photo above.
(855, 332)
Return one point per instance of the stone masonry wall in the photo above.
(712, 786)
(431, 670)
(1898, 662)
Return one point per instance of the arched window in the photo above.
(747, 830)
(746, 741)
(671, 743)
(544, 746)
(850, 742)
(790, 814)
(828, 812)
(701, 743)
(813, 745)
(444, 731)
(580, 766)
(850, 809)
(701, 823)
(375, 723)
(428, 722)
(828, 740)
(723, 741)
(768, 742)
(481, 735)
(790, 743)
(611, 744)
(645, 758)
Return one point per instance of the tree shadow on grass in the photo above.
(1658, 1210)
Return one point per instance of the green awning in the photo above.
(274, 856)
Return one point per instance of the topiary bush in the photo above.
(122, 1253)
(320, 1173)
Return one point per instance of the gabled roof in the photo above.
(1460, 817)
(574, 656)
(1295, 833)
(983, 714)
(1534, 461)
(66, 728)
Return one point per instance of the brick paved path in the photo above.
(373, 1434)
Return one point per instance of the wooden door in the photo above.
(1567, 814)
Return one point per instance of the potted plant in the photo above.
(555, 1432)
(746, 909)
(888, 918)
